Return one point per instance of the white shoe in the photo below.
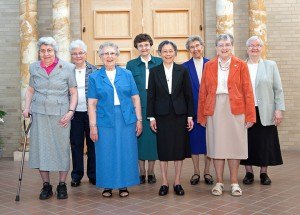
(236, 190)
(218, 189)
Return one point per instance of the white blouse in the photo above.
(253, 71)
(80, 79)
(147, 70)
(199, 67)
(223, 73)
(168, 73)
(111, 76)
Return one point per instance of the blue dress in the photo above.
(197, 136)
(116, 149)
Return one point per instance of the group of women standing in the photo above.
(155, 109)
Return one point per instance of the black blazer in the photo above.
(158, 97)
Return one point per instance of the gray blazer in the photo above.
(268, 91)
(51, 92)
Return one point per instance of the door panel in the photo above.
(173, 20)
(121, 20)
(111, 20)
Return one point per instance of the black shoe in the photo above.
(151, 179)
(123, 192)
(178, 190)
(208, 179)
(195, 179)
(75, 183)
(46, 191)
(264, 179)
(142, 179)
(107, 193)
(164, 189)
(249, 178)
(92, 181)
(61, 191)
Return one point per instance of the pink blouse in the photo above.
(49, 69)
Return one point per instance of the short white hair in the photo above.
(108, 44)
(77, 44)
(252, 39)
(49, 41)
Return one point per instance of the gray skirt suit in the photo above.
(49, 142)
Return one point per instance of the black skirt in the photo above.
(172, 136)
(263, 145)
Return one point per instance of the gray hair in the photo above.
(193, 38)
(254, 38)
(224, 37)
(167, 42)
(77, 44)
(48, 41)
(108, 44)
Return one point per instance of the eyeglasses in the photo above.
(254, 46)
(197, 46)
(167, 51)
(106, 54)
(226, 45)
(78, 54)
(44, 51)
(140, 46)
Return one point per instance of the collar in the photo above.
(197, 60)
(52, 65)
(142, 59)
(170, 69)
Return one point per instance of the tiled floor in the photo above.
(282, 197)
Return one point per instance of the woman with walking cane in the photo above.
(51, 98)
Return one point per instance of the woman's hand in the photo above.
(26, 113)
(138, 128)
(153, 125)
(94, 133)
(63, 122)
(277, 117)
(190, 124)
(248, 124)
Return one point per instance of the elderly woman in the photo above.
(80, 129)
(226, 108)
(263, 141)
(197, 139)
(115, 122)
(51, 98)
(170, 108)
(140, 70)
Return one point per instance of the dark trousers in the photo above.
(80, 129)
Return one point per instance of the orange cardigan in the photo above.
(239, 89)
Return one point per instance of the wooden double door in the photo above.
(120, 21)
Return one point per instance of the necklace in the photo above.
(168, 76)
(224, 67)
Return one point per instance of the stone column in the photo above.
(257, 22)
(61, 27)
(224, 12)
(28, 41)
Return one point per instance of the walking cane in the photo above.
(26, 129)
